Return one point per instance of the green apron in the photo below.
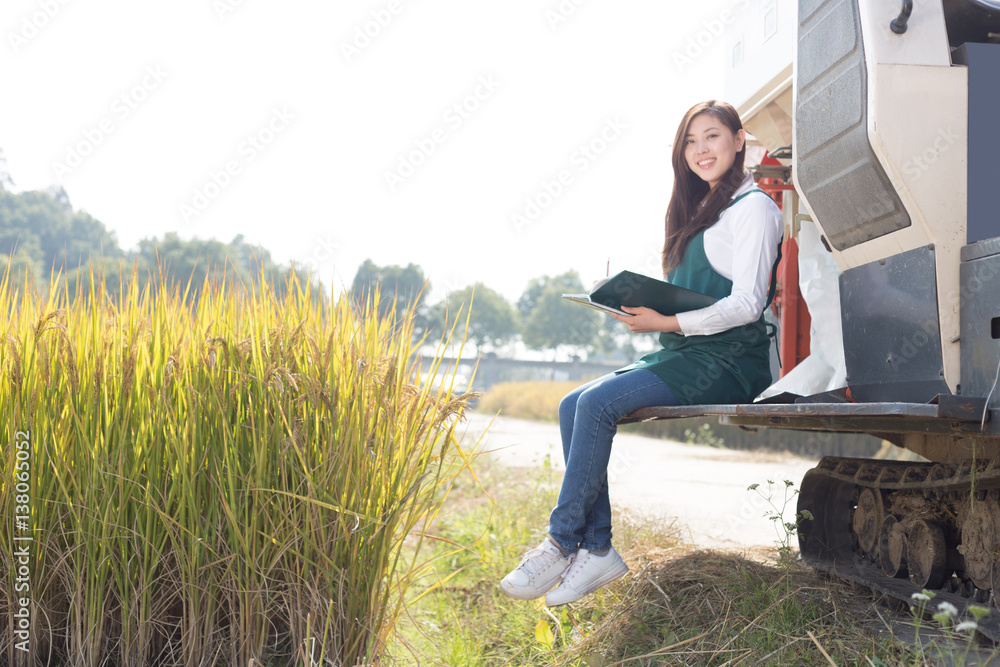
(733, 366)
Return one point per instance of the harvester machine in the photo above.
(881, 122)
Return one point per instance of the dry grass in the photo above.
(712, 608)
(527, 400)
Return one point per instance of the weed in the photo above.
(703, 436)
(785, 531)
(952, 641)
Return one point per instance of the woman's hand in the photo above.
(647, 320)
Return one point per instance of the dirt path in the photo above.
(704, 489)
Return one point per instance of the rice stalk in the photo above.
(221, 480)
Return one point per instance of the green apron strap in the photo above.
(774, 276)
(774, 267)
(772, 330)
(748, 192)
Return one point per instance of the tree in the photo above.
(42, 225)
(616, 340)
(39, 231)
(493, 321)
(89, 239)
(568, 283)
(552, 321)
(399, 288)
(195, 260)
(23, 272)
(42, 233)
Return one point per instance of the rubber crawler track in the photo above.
(920, 522)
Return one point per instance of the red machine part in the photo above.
(791, 309)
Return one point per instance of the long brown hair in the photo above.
(693, 204)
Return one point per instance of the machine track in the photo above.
(901, 527)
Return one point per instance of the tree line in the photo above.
(540, 319)
(41, 235)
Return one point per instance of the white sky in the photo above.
(174, 92)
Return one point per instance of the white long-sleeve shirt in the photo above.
(741, 246)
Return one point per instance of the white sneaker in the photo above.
(538, 572)
(587, 573)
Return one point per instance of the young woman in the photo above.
(722, 238)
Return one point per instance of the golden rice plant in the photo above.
(226, 480)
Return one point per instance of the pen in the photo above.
(608, 272)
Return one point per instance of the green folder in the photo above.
(632, 289)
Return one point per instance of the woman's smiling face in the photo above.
(710, 147)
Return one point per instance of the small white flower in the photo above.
(965, 626)
(948, 608)
(920, 597)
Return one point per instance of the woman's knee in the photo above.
(567, 406)
(584, 398)
(593, 402)
(612, 401)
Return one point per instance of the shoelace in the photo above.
(532, 564)
(572, 571)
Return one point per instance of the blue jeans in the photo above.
(588, 418)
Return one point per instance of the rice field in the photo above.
(227, 480)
